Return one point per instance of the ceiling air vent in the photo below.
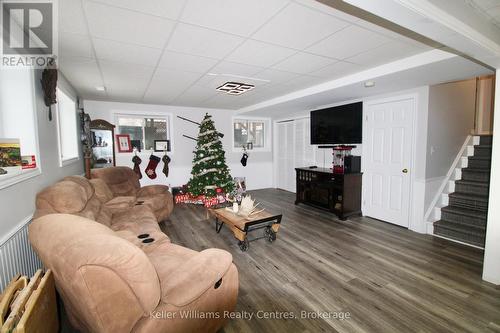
(235, 88)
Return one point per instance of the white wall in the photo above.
(491, 266)
(258, 171)
(451, 120)
(17, 202)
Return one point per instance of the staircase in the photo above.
(464, 219)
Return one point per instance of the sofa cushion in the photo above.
(122, 181)
(63, 197)
(137, 219)
(102, 191)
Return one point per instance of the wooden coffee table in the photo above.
(241, 226)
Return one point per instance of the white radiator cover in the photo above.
(17, 255)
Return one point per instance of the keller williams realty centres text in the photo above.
(247, 315)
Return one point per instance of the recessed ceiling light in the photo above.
(369, 84)
(235, 88)
(100, 88)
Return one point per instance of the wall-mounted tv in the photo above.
(337, 125)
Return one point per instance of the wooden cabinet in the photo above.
(338, 193)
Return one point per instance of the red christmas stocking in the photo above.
(137, 160)
(153, 163)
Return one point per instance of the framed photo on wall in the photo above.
(162, 145)
(123, 142)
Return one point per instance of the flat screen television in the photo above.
(337, 125)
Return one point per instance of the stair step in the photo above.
(464, 216)
(466, 234)
(476, 176)
(479, 188)
(479, 162)
(485, 139)
(482, 150)
(469, 201)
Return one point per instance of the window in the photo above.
(18, 120)
(68, 128)
(144, 129)
(247, 131)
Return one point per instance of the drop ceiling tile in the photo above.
(225, 101)
(121, 79)
(195, 94)
(236, 17)
(303, 63)
(329, 10)
(257, 53)
(304, 81)
(167, 84)
(166, 8)
(270, 91)
(202, 42)
(81, 72)
(486, 4)
(298, 26)
(348, 42)
(275, 76)
(186, 62)
(233, 69)
(126, 91)
(338, 69)
(127, 26)
(128, 53)
(384, 54)
(75, 45)
(71, 17)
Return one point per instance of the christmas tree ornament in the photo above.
(137, 169)
(166, 160)
(151, 169)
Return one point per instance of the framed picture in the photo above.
(162, 145)
(10, 153)
(123, 142)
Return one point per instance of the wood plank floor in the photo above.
(388, 278)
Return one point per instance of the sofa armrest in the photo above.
(86, 243)
(152, 190)
(194, 277)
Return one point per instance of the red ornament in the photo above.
(218, 190)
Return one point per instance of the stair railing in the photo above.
(468, 141)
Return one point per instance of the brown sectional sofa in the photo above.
(111, 280)
(123, 186)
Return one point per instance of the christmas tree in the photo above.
(210, 171)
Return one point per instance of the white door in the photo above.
(294, 150)
(285, 172)
(387, 157)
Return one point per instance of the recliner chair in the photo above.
(124, 185)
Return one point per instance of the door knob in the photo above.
(405, 170)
